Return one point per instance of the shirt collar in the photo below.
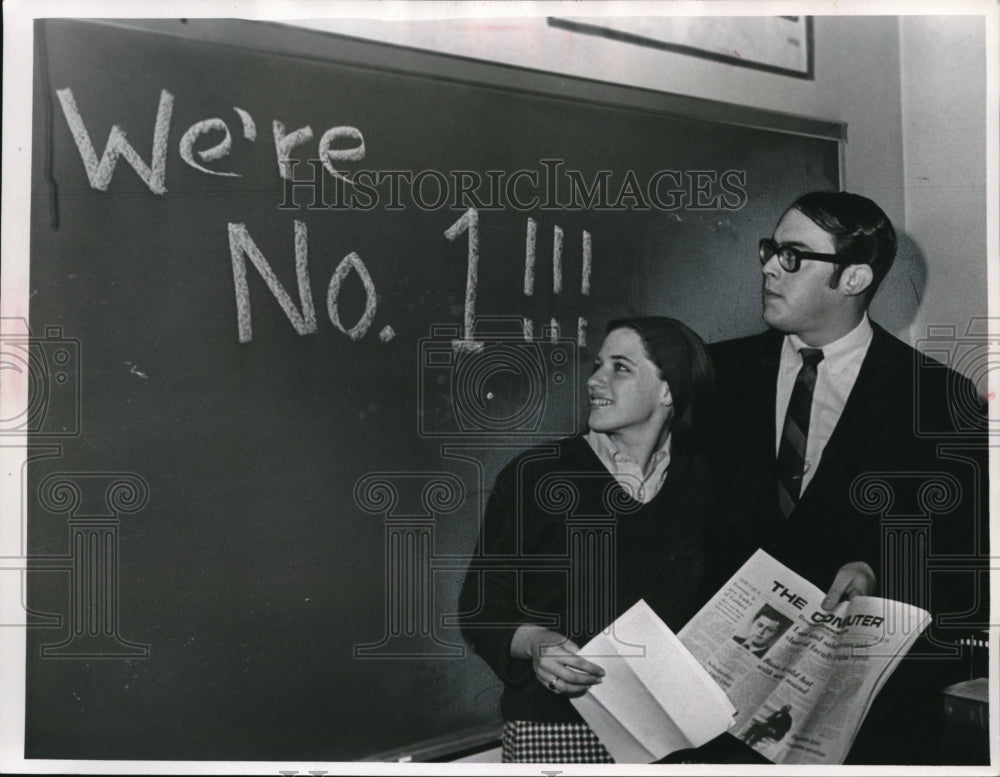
(641, 486)
(606, 449)
(856, 340)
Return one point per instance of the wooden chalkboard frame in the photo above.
(387, 57)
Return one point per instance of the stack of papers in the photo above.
(655, 697)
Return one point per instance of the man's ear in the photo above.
(855, 279)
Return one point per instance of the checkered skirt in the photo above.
(530, 741)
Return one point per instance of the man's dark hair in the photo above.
(769, 612)
(861, 231)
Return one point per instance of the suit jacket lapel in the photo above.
(768, 379)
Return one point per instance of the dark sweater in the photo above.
(542, 499)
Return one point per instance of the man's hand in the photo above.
(853, 579)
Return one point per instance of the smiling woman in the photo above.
(629, 400)
(625, 503)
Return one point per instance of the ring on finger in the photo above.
(552, 684)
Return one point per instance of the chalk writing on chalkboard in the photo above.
(303, 316)
(99, 173)
(691, 188)
(522, 189)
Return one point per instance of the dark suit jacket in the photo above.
(901, 485)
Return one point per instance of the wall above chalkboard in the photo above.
(321, 290)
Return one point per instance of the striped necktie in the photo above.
(795, 432)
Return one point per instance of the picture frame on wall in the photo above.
(774, 44)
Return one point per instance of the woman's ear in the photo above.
(666, 398)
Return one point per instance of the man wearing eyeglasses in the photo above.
(808, 410)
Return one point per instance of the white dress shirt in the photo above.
(639, 485)
(835, 377)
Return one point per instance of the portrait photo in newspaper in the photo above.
(763, 631)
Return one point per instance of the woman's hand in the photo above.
(555, 661)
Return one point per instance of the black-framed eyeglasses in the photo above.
(791, 258)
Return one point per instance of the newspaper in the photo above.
(655, 697)
(802, 678)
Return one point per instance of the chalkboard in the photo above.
(266, 416)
